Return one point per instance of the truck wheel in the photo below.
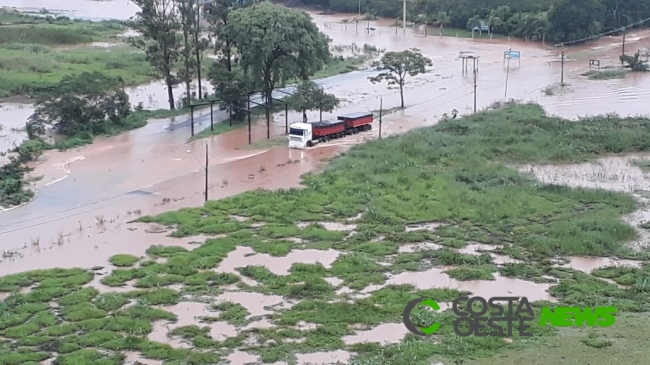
(369, 127)
(309, 144)
(355, 131)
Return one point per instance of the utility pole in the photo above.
(505, 94)
(474, 90)
(404, 16)
(562, 67)
(623, 47)
(249, 118)
(206, 171)
(381, 107)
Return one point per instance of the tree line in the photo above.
(552, 20)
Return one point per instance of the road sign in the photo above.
(512, 55)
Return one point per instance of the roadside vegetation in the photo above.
(463, 190)
(42, 57)
(550, 20)
(605, 74)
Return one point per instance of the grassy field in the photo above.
(456, 174)
(36, 55)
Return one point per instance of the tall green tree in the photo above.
(217, 17)
(276, 44)
(188, 11)
(576, 19)
(394, 67)
(311, 96)
(86, 102)
(157, 22)
(231, 87)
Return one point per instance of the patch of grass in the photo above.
(642, 163)
(123, 260)
(471, 273)
(232, 313)
(20, 73)
(605, 74)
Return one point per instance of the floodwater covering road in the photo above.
(87, 194)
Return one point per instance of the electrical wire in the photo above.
(602, 34)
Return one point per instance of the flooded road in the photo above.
(154, 169)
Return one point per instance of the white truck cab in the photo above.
(300, 135)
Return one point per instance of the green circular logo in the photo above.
(406, 317)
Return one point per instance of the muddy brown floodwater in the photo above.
(86, 195)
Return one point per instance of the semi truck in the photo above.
(303, 135)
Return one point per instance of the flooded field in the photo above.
(274, 294)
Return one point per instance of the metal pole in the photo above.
(381, 107)
(286, 118)
(249, 119)
(192, 119)
(505, 95)
(206, 171)
(230, 115)
(211, 117)
(268, 118)
(404, 17)
(562, 67)
(623, 47)
(474, 90)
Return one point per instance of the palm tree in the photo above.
(635, 63)
(443, 19)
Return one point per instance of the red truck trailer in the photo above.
(304, 135)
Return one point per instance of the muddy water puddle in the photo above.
(479, 249)
(257, 304)
(436, 279)
(246, 256)
(188, 314)
(324, 358)
(387, 333)
(589, 264)
(616, 173)
(134, 358)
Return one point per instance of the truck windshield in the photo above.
(296, 132)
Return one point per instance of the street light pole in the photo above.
(505, 95)
(196, 46)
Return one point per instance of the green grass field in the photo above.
(458, 174)
(37, 55)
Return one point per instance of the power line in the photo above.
(602, 34)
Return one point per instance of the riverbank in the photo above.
(310, 274)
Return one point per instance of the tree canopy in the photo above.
(394, 67)
(311, 96)
(276, 44)
(87, 102)
(555, 20)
